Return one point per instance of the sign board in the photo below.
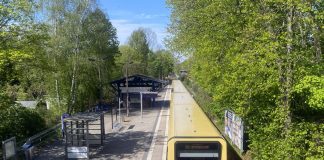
(77, 152)
(135, 89)
(9, 148)
(234, 129)
(64, 115)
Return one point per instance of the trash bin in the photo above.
(28, 150)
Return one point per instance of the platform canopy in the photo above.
(143, 85)
(88, 117)
(137, 83)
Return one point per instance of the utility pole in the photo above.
(100, 88)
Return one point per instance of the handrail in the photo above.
(39, 136)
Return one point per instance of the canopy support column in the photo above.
(141, 105)
(119, 109)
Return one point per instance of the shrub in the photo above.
(20, 122)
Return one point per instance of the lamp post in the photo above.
(100, 88)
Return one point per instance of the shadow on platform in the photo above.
(122, 145)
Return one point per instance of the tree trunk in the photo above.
(57, 90)
(317, 43)
(316, 31)
(74, 74)
(288, 70)
(72, 90)
(55, 74)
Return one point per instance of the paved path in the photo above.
(138, 138)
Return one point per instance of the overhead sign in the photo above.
(135, 89)
(234, 129)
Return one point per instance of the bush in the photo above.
(19, 122)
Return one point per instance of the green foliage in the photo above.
(51, 59)
(138, 58)
(129, 59)
(21, 41)
(83, 44)
(5, 101)
(312, 89)
(139, 42)
(256, 58)
(161, 64)
(20, 122)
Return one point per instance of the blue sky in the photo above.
(128, 15)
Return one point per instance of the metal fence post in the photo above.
(87, 138)
(11, 140)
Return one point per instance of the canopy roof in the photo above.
(88, 116)
(137, 81)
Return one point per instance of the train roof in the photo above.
(186, 117)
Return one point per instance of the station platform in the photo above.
(135, 138)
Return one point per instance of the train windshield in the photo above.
(197, 151)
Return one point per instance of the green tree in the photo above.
(161, 64)
(250, 55)
(128, 59)
(101, 46)
(20, 122)
(139, 42)
(21, 41)
(83, 44)
(51, 58)
(22, 67)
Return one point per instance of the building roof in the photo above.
(28, 104)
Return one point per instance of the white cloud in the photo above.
(149, 16)
(126, 27)
(126, 22)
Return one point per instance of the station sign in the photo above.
(234, 129)
(77, 153)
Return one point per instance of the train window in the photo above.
(197, 151)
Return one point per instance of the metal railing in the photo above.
(36, 139)
(27, 148)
